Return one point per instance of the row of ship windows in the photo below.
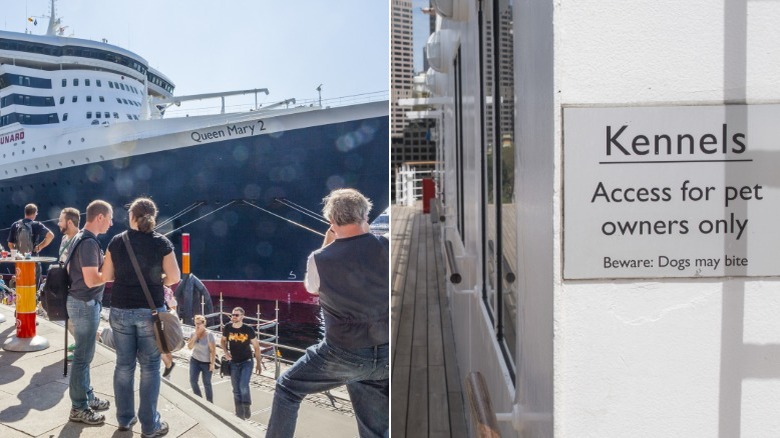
(102, 99)
(43, 119)
(8, 79)
(111, 84)
(22, 99)
(82, 52)
(28, 119)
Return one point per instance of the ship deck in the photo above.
(427, 395)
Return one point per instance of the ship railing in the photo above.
(242, 105)
(271, 349)
(408, 181)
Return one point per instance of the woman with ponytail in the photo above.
(131, 316)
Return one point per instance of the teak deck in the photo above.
(427, 396)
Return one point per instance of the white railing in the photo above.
(408, 183)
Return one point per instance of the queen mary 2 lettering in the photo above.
(228, 131)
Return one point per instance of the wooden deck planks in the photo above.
(426, 393)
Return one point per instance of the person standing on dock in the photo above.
(236, 341)
(28, 235)
(204, 351)
(69, 226)
(351, 275)
(84, 304)
(131, 319)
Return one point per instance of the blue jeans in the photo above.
(365, 373)
(86, 317)
(197, 367)
(240, 373)
(134, 339)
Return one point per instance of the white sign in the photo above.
(684, 191)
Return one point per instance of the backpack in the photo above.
(24, 237)
(54, 293)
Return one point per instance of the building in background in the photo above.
(412, 136)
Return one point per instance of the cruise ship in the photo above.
(83, 120)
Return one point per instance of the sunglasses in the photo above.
(237, 315)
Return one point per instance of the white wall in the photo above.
(663, 357)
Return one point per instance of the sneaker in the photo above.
(98, 404)
(87, 416)
(159, 432)
(71, 347)
(129, 426)
(168, 370)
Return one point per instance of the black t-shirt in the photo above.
(88, 254)
(150, 249)
(39, 231)
(239, 341)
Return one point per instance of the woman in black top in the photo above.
(131, 317)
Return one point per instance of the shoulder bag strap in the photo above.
(78, 238)
(137, 268)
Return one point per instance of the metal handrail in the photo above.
(480, 406)
(455, 276)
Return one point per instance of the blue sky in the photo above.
(289, 47)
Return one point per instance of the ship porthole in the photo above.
(44, 147)
(47, 165)
(101, 157)
(13, 153)
(25, 169)
(33, 149)
(73, 161)
(68, 141)
(82, 139)
(87, 159)
(60, 163)
(36, 167)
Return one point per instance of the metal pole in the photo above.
(221, 325)
(277, 371)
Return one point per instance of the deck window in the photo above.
(89, 114)
(500, 261)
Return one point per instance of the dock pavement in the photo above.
(34, 399)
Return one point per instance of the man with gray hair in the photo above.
(350, 273)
